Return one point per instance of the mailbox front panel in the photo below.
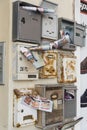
(70, 96)
(66, 67)
(50, 26)
(80, 34)
(67, 26)
(23, 69)
(50, 68)
(26, 23)
(56, 116)
(23, 114)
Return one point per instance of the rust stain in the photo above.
(49, 70)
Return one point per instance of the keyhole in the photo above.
(23, 20)
(22, 111)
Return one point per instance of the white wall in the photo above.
(82, 19)
(83, 87)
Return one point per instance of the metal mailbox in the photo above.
(80, 34)
(50, 68)
(23, 69)
(50, 26)
(54, 93)
(64, 104)
(23, 114)
(66, 67)
(70, 97)
(49, 21)
(26, 23)
(69, 27)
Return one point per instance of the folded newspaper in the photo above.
(38, 103)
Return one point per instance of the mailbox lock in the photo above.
(22, 110)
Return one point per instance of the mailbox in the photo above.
(55, 117)
(68, 26)
(64, 104)
(23, 69)
(70, 97)
(66, 67)
(49, 21)
(80, 34)
(50, 68)
(23, 114)
(26, 23)
(50, 26)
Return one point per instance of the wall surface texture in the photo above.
(82, 19)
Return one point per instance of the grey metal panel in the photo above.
(26, 23)
(48, 5)
(70, 105)
(80, 34)
(46, 119)
(49, 21)
(50, 26)
(68, 26)
(66, 108)
(2, 59)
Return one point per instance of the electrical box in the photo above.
(23, 114)
(26, 23)
(23, 69)
(50, 68)
(2, 64)
(64, 104)
(69, 27)
(49, 21)
(80, 34)
(66, 67)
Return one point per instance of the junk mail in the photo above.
(33, 57)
